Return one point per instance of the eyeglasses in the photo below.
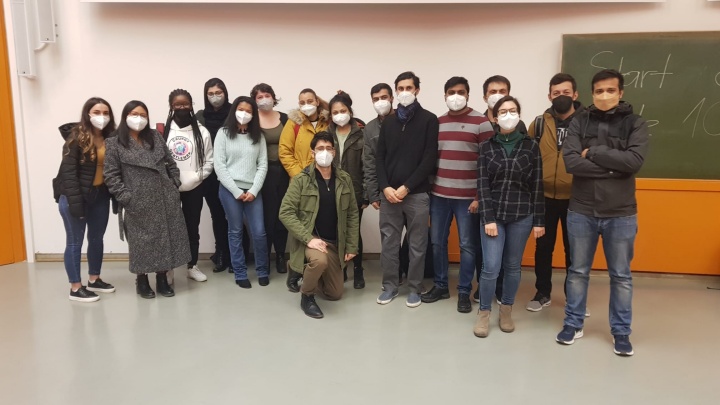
(217, 93)
(322, 148)
(138, 115)
(182, 106)
(512, 111)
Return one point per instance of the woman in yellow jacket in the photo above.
(310, 118)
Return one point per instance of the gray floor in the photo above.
(217, 344)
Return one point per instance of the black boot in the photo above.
(310, 307)
(280, 263)
(344, 274)
(221, 262)
(292, 281)
(142, 286)
(163, 288)
(358, 279)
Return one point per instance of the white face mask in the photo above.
(243, 117)
(341, 119)
(308, 109)
(406, 98)
(508, 121)
(323, 158)
(493, 99)
(265, 104)
(99, 121)
(136, 122)
(382, 107)
(456, 102)
(217, 101)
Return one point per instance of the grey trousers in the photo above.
(414, 214)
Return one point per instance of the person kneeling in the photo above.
(321, 216)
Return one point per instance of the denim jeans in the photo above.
(618, 239)
(442, 211)
(252, 213)
(97, 210)
(503, 251)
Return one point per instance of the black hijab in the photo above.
(215, 119)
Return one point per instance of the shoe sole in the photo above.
(413, 305)
(578, 335)
(78, 299)
(198, 280)
(623, 354)
(430, 301)
(384, 302)
(464, 310)
(547, 304)
(102, 290)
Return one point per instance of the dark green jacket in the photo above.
(299, 209)
(352, 159)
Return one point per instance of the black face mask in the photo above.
(562, 104)
(182, 117)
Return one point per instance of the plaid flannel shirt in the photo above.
(510, 187)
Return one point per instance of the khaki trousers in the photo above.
(323, 274)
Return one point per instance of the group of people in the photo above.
(300, 182)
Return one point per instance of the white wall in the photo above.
(143, 51)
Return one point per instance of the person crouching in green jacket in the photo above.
(320, 213)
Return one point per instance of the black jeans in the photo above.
(210, 188)
(192, 203)
(555, 210)
(273, 190)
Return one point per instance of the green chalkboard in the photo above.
(673, 81)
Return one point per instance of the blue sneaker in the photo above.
(623, 347)
(386, 297)
(413, 300)
(568, 335)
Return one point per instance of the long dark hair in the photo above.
(231, 123)
(212, 83)
(199, 143)
(82, 133)
(123, 132)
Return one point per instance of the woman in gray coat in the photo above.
(141, 173)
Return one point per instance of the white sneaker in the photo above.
(195, 274)
(171, 276)
(587, 313)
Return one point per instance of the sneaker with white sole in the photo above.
(568, 335)
(386, 297)
(538, 303)
(100, 286)
(83, 295)
(195, 274)
(623, 347)
(413, 300)
(587, 313)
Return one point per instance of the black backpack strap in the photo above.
(539, 126)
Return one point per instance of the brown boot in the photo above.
(506, 323)
(482, 324)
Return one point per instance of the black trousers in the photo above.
(273, 190)
(210, 188)
(357, 260)
(555, 210)
(192, 204)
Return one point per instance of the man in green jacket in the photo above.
(320, 213)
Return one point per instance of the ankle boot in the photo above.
(221, 262)
(310, 307)
(482, 324)
(142, 286)
(280, 263)
(163, 288)
(292, 280)
(506, 323)
(358, 279)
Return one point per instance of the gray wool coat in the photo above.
(145, 183)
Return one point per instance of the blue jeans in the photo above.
(618, 238)
(252, 212)
(97, 210)
(442, 211)
(503, 251)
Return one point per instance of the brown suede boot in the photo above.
(482, 324)
(506, 323)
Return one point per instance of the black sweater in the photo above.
(407, 154)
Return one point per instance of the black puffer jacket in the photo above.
(74, 179)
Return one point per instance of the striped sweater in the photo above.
(458, 150)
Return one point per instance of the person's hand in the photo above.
(401, 193)
(491, 229)
(349, 256)
(241, 197)
(362, 207)
(584, 153)
(538, 231)
(248, 197)
(390, 195)
(317, 244)
(473, 208)
(376, 205)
